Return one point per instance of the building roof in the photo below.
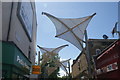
(93, 40)
(109, 47)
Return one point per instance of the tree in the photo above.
(52, 63)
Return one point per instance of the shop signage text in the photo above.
(108, 68)
(24, 64)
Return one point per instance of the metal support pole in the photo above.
(38, 57)
(118, 35)
(38, 61)
(69, 69)
(88, 54)
(117, 25)
(94, 64)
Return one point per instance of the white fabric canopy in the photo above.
(51, 50)
(49, 53)
(71, 30)
(64, 65)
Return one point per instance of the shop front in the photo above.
(14, 63)
(108, 63)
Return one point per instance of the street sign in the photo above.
(36, 69)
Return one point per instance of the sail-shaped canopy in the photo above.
(71, 30)
(61, 64)
(64, 65)
(49, 53)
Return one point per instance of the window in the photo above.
(25, 15)
(98, 51)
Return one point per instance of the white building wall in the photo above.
(6, 10)
(17, 33)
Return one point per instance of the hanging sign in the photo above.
(108, 68)
(36, 69)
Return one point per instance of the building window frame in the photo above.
(25, 14)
